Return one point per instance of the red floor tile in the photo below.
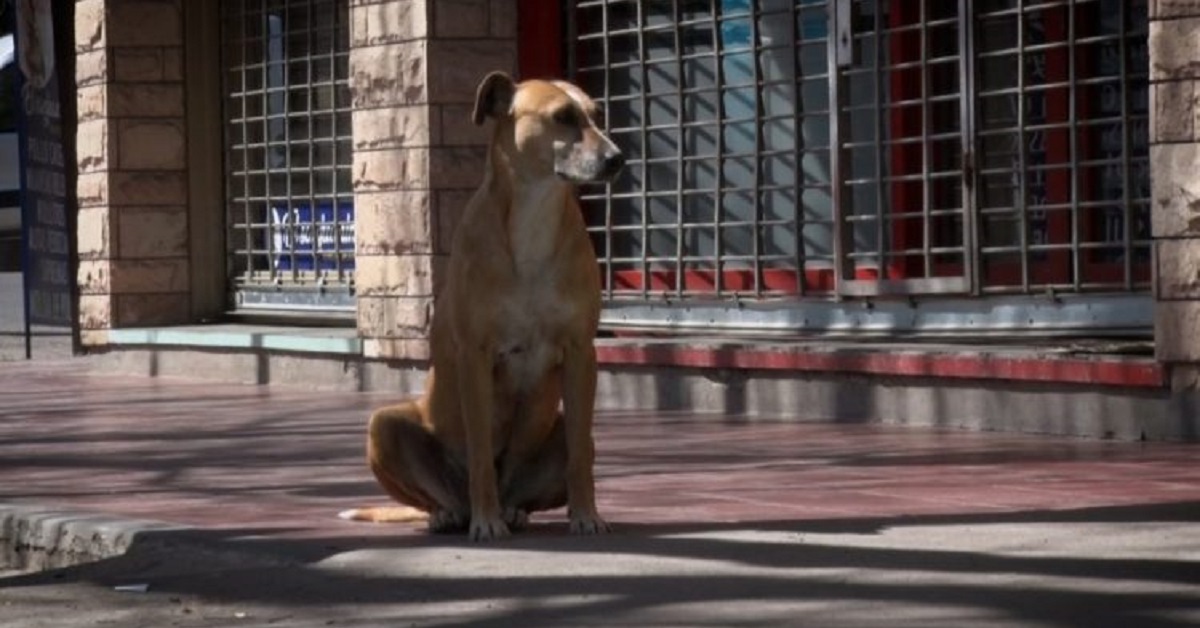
(244, 456)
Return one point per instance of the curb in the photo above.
(37, 539)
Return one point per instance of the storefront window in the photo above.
(941, 148)
(291, 213)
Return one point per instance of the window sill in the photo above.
(324, 340)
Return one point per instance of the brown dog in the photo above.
(512, 333)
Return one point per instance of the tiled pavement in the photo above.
(719, 521)
(228, 456)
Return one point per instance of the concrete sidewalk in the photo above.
(220, 500)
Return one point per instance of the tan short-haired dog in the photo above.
(512, 333)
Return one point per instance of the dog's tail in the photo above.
(384, 514)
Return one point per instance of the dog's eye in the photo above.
(566, 116)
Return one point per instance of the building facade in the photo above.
(276, 158)
(998, 171)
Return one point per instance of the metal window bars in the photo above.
(855, 149)
(1074, 152)
(288, 151)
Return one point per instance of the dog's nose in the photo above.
(613, 164)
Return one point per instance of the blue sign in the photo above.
(46, 226)
(302, 241)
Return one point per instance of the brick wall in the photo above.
(133, 224)
(414, 65)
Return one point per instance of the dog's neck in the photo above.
(533, 216)
(534, 221)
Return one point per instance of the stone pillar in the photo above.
(414, 65)
(1175, 172)
(471, 39)
(133, 224)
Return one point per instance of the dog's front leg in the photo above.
(579, 399)
(475, 389)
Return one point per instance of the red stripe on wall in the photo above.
(1109, 371)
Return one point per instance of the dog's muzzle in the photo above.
(581, 163)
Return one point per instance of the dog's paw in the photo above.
(488, 528)
(447, 522)
(588, 524)
(515, 518)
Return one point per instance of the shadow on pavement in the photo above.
(648, 574)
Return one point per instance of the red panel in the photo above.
(540, 39)
(1057, 265)
(906, 122)
(1093, 267)
(785, 281)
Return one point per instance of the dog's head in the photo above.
(553, 128)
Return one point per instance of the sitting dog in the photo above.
(512, 333)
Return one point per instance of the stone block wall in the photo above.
(133, 223)
(414, 65)
(1175, 172)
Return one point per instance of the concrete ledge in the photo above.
(327, 340)
(1094, 364)
(1093, 390)
(735, 395)
(316, 371)
(1052, 363)
(36, 539)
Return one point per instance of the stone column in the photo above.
(1175, 172)
(414, 65)
(133, 225)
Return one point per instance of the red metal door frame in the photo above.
(540, 39)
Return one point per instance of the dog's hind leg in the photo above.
(538, 481)
(414, 467)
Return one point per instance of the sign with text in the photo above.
(302, 240)
(46, 223)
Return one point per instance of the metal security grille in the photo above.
(723, 111)
(290, 208)
(902, 128)
(819, 153)
(1062, 143)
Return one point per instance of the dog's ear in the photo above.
(494, 96)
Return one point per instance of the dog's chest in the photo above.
(533, 319)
